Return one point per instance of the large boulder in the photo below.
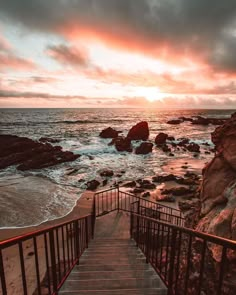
(109, 133)
(161, 138)
(144, 148)
(139, 132)
(29, 154)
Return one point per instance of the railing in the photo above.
(183, 257)
(114, 199)
(44, 258)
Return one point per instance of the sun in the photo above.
(150, 93)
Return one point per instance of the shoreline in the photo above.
(83, 207)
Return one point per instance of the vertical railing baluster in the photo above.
(22, 265)
(202, 266)
(2, 275)
(47, 262)
(188, 265)
(58, 255)
(37, 265)
(172, 262)
(53, 260)
(221, 272)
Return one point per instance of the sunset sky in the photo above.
(118, 53)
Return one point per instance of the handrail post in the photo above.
(148, 241)
(53, 260)
(131, 224)
(76, 226)
(172, 261)
(118, 191)
(2, 275)
(93, 217)
(86, 231)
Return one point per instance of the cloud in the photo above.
(22, 94)
(68, 55)
(167, 28)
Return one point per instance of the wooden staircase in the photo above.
(113, 264)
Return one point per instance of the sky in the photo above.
(118, 53)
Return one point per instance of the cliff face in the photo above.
(218, 190)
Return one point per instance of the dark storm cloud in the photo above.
(183, 25)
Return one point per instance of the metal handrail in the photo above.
(56, 250)
(161, 241)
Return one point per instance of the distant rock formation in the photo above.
(109, 133)
(144, 148)
(29, 154)
(139, 131)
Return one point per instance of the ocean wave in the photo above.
(61, 122)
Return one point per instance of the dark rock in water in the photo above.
(164, 178)
(146, 195)
(161, 138)
(166, 199)
(106, 173)
(104, 182)
(171, 155)
(144, 148)
(170, 138)
(186, 119)
(138, 190)
(109, 133)
(193, 147)
(166, 149)
(139, 132)
(206, 121)
(177, 191)
(146, 184)
(183, 141)
(92, 185)
(29, 154)
(129, 184)
(175, 122)
(50, 140)
(122, 144)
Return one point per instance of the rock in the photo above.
(183, 141)
(170, 138)
(146, 195)
(92, 185)
(30, 154)
(175, 122)
(164, 178)
(122, 144)
(146, 184)
(109, 133)
(106, 173)
(177, 191)
(129, 184)
(186, 119)
(72, 171)
(104, 182)
(166, 149)
(50, 140)
(161, 138)
(193, 147)
(218, 189)
(144, 148)
(199, 120)
(138, 190)
(139, 132)
(165, 199)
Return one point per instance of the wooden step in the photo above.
(87, 275)
(110, 284)
(140, 291)
(112, 267)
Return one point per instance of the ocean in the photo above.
(78, 131)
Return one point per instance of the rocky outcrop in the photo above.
(122, 144)
(206, 121)
(92, 185)
(109, 133)
(29, 154)
(144, 148)
(174, 122)
(106, 173)
(139, 132)
(161, 138)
